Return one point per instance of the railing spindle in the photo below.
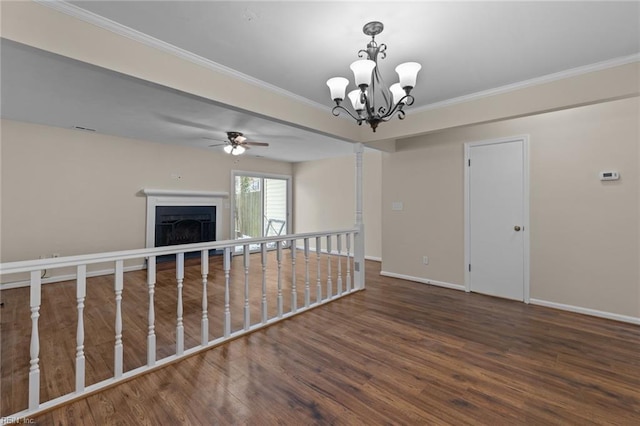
(263, 258)
(319, 272)
(81, 294)
(118, 348)
(34, 349)
(348, 236)
(227, 312)
(307, 295)
(339, 238)
(329, 280)
(151, 334)
(279, 259)
(204, 328)
(179, 310)
(247, 312)
(294, 291)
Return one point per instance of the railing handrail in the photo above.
(88, 259)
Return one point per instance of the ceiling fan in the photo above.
(237, 144)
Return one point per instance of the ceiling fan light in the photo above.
(362, 70)
(337, 87)
(228, 149)
(238, 150)
(408, 73)
(240, 139)
(397, 93)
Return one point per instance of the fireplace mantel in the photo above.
(178, 197)
(183, 193)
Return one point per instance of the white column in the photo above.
(358, 249)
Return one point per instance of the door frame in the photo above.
(261, 175)
(525, 194)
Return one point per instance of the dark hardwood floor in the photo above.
(397, 353)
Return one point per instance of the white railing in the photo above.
(348, 272)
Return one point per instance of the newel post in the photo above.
(358, 249)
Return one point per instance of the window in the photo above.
(261, 205)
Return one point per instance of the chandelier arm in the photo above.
(408, 99)
(405, 100)
(400, 112)
(336, 112)
(382, 50)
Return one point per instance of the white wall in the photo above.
(584, 233)
(324, 197)
(72, 192)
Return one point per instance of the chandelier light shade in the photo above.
(337, 87)
(408, 73)
(356, 100)
(362, 71)
(373, 102)
(397, 93)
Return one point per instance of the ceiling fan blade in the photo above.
(256, 143)
(218, 144)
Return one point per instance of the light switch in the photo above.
(397, 205)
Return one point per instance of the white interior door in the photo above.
(496, 218)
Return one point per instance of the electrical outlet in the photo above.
(425, 260)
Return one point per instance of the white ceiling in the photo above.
(464, 47)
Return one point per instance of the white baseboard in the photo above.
(423, 280)
(586, 311)
(69, 277)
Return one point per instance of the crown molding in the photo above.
(117, 28)
(573, 72)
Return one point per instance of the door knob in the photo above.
(516, 228)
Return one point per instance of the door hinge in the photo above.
(469, 267)
(469, 162)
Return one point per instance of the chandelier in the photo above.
(371, 88)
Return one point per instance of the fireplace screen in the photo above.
(185, 225)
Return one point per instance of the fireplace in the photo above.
(184, 225)
(183, 217)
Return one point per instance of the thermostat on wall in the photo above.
(609, 175)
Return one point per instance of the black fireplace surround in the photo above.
(184, 225)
